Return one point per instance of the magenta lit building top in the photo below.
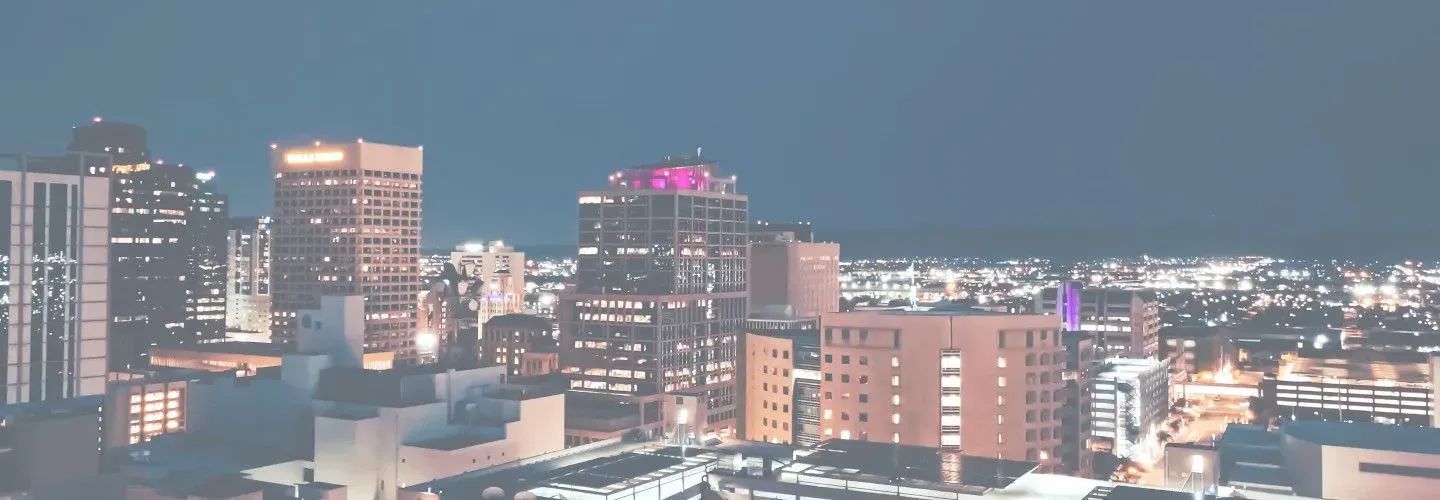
(683, 175)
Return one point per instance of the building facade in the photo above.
(1382, 388)
(166, 247)
(507, 340)
(347, 222)
(986, 383)
(1123, 322)
(497, 272)
(661, 289)
(53, 277)
(139, 410)
(803, 275)
(207, 265)
(248, 258)
(780, 383)
(1130, 399)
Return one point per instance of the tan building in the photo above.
(780, 383)
(241, 358)
(142, 409)
(347, 221)
(803, 275)
(986, 384)
(499, 272)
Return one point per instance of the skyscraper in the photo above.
(206, 264)
(247, 307)
(347, 221)
(660, 295)
(53, 305)
(165, 221)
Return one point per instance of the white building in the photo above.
(1130, 399)
(498, 271)
(53, 276)
(248, 285)
(367, 433)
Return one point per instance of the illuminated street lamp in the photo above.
(681, 418)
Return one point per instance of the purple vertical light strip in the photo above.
(1070, 306)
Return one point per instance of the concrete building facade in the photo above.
(54, 271)
(987, 384)
(248, 257)
(347, 222)
(780, 382)
(1123, 322)
(661, 292)
(803, 275)
(497, 272)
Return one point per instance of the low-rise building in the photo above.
(1336, 460)
(241, 358)
(50, 449)
(1130, 399)
(1362, 386)
(780, 387)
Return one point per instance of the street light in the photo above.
(681, 418)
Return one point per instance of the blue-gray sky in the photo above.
(846, 113)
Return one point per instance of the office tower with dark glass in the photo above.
(53, 301)
(163, 255)
(347, 222)
(206, 265)
(661, 290)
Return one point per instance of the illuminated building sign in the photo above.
(314, 157)
(688, 178)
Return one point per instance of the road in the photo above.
(1211, 417)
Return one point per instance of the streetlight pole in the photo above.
(681, 418)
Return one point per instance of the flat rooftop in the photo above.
(51, 409)
(1367, 436)
(845, 459)
(454, 442)
(1394, 367)
(599, 471)
(234, 347)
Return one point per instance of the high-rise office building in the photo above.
(987, 384)
(1123, 322)
(347, 222)
(166, 244)
(248, 256)
(206, 262)
(803, 275)
(497, 278)
(53, 279)
(661, 290)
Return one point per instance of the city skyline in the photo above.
(1061, 110)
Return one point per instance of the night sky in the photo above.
(853, 115)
